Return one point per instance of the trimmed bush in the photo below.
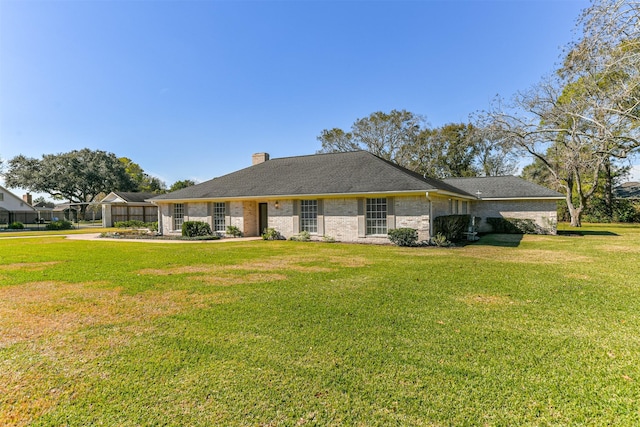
(303, 236)
(16, 225)
(62, 224)
(513, 225)
(403, 236)
(234, 231)
(440, 240)
(272, 234)
(452, 227)
(196, 229)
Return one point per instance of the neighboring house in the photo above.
(628, 190)
(122, 206)
(352, 197)
(13, 208)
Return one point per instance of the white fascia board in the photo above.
(451, 194)
(299, 196)
(521, 198)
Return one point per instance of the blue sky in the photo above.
(190, 89)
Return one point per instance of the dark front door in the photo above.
(263, 218)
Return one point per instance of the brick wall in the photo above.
(542, 212)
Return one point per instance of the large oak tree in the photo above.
(77, 176)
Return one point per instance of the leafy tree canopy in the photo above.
(453, 150)
(77, 176)
(145, 183)
(179, 185)
(382, 134)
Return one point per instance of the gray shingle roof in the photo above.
(502, 187)
(357, 172)
(133, 197)
(628, 190)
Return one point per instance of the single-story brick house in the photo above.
(351, 197)
(124, 206)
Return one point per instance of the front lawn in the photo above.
(511, 330)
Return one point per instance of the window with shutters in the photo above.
(178, 216)
(309, 216)
(219, 213)
(376, 216)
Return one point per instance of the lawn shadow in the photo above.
(586, 233)
(504, 240)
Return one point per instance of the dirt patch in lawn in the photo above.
(487, 300)
(28, 266)
(526, 256)
(621, 249)
(230, 280)
(57, 327)
(305, 264)
(34, 310)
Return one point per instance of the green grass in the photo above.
(531, 330)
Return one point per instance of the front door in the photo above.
(263, 218)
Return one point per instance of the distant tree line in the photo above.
(402, 137)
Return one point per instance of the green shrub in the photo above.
(328, 239)
(440, 240)
(196, 229)
(303, 236)
(16, 225)
(234, 231)
(452, 227)
(271, 234)
(62, 224)
(513, 225)
(403, 236)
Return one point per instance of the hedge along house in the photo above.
(351, 197)
(123, 206)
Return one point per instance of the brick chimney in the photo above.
(28, 198)
(259, 158)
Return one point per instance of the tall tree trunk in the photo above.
(574, 212)
(608, 190)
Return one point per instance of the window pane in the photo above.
(178, 216)
(376, 216)
(309, 216)
(219, 217)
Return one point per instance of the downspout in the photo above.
(430, 214)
